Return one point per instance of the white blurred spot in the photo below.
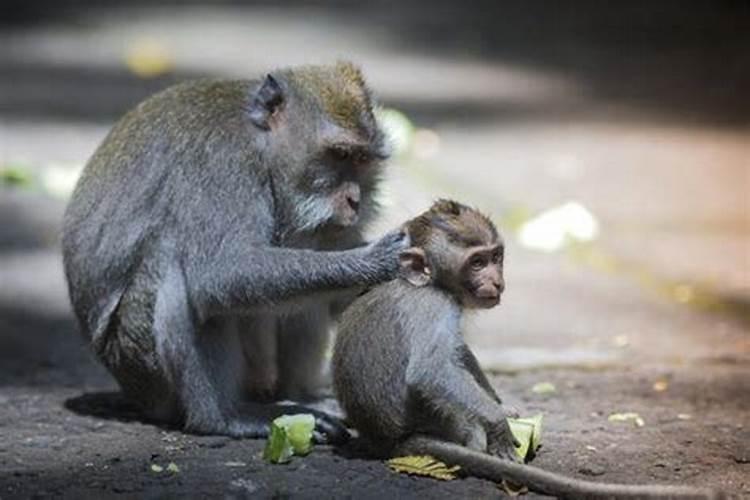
(398, 129)
(565, 166)
(60, 179)
(426, 144)
(553, 229)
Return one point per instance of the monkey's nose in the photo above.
(500, 285)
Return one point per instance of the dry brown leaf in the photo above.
(423, 465)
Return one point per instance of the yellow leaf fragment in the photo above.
(513, 490)
(627, 417)
(148, 58)
(423, 465)
(156, 468)
(544, 388)
(661, 385)
(173, 468)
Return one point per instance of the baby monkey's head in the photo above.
(458, 249)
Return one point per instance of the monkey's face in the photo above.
(323, 136)
(342, 176)
(481, 276)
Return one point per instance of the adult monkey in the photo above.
(210, 233)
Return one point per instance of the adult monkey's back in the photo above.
(210, 233)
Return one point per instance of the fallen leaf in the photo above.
(512, 489)
(173, 468)
(278, 450)
(290, 435)
(528, 432)
(544, 388)
(156, 468)
(684, 416)
(299, 430)
(423, 465)
(590, 448)
(661, 385)
(627, 417)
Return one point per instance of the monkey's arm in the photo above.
(450, 383)
(237, 278)
(471, 364)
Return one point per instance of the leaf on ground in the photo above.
(528, 432)
(512, 489)
(290, 435)
(661, 385)
(544, 388)
(299, 430)
(423, 465)
(627, 417)
(14, 175)
(173, 468)
(156, 468)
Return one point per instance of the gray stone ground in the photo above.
(641, 118)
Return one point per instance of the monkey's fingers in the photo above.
(329, 430)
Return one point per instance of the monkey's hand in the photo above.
(501, 442)
(384, 254)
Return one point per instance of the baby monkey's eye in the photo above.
(478, 262)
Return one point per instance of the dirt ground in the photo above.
(638, 114)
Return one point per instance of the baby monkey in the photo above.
(409, 383)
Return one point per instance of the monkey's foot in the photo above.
(256, 419)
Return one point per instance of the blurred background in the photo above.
(609, 140)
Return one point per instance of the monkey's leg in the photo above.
(259, 339)
(261, 333)
(303, 340)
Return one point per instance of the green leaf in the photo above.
(299, 431)
(544, 388)
(13, 175)
(423, 465)
(290, 435)
(528, 431)
(278, 448)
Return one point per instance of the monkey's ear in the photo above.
(265, 101)
(414, 267)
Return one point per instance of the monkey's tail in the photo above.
(496, 469)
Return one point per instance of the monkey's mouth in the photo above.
(487, 300)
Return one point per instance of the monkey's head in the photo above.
(458, 249)
(321, 137)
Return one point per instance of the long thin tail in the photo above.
(495, 469)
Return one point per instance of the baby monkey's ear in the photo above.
(414, 267)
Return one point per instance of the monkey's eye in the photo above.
(340, 154)
(478, 262)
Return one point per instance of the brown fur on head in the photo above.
(458, 249)
(339, 89)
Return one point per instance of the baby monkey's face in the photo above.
(481, 276)
(459, 250)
